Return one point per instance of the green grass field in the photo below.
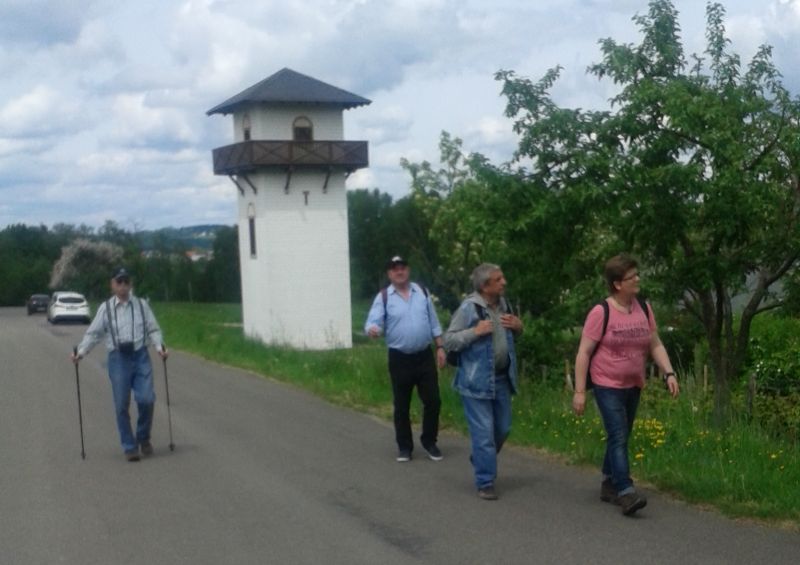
(743, 472)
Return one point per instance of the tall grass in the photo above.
(742, 471)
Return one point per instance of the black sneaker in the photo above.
(147, 448)
(632, 502)
(608, 493)
(434, 453)
(487, 493)
(132, 456)
(403, 456)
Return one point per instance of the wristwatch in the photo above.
(665, 376)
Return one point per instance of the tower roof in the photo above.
(290, 87)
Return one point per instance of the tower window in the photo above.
(246, 127)
(251, 224)
(302, 130)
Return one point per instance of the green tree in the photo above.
(26, 257)
(695, 169)
(369, 214)
(222, 279)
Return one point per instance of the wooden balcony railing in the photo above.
(249, 156)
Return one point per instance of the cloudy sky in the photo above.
(102, 102)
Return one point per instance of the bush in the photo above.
(779, 415)
(774, 355)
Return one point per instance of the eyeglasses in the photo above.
(123, 281)
(631, 277)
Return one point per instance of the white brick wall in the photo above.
(297, 290)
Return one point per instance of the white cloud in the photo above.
(134, 122)
(40, 112)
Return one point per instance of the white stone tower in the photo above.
(289, 163)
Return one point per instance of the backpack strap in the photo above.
(643, 303)
(604, 304)
(385, 299)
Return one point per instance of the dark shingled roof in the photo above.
(290, 87)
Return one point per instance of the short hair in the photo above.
(616, 267)
(481, 274)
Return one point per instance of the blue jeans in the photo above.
(132, 372)
(618, 410)
(489, 422)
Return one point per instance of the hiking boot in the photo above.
(132, 456)
(147, 448)
(403, 455)
(608, 493)
(632, 502)
(433, 452)
(487, 493)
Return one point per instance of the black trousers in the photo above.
(409, 370)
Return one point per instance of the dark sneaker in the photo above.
(434, 453)
(487, 493)
(147, 448)
(632, 502)
(403, 456)
(608, 493)
(132, 456)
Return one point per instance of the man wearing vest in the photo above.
(127, 325)
(405, 314)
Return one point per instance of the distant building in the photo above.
(289, 163)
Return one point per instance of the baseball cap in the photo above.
(396, 260)
(121, 273)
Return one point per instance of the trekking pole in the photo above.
(80, 411)
(166, 385)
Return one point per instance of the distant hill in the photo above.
(191, 237)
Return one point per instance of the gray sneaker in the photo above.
(608, 493)
(487, 493)
(632, 502)
(132, 456)
(147, 448)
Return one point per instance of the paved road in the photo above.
(264, 473)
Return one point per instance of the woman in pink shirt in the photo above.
(615, 356)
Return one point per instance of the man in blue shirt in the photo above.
(404, 313)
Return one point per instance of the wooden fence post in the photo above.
(568, 375)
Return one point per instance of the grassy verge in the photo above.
(743, 472)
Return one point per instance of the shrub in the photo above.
(774, 355)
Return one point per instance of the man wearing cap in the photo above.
(127, 325)
(405, 314)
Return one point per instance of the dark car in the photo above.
(38, 303)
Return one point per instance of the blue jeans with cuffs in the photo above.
(489, 421)
(132, 372)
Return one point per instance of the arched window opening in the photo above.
(246, 127)
(302, 129)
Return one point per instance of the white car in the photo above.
(68, 306)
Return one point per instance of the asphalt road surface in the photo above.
(265, 473)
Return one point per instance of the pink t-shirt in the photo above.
(620, 356)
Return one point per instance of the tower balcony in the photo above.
(249, 156)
